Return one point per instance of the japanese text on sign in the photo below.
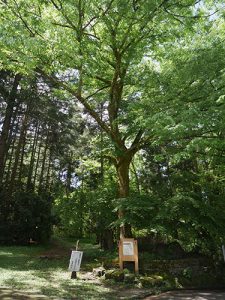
(75, 261)
(128, 248)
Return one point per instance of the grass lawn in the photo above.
(22, 270)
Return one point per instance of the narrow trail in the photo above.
(189, 295)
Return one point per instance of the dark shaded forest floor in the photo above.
(41, 272)
(190, 295)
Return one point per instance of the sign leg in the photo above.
(74, 275)
(136, 267)
(121, 264)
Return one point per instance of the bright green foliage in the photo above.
(87, 212)
(72, 211)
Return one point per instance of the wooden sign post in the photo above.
(128, 251)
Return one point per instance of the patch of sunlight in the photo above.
(4, 253)
(53, 283)
(14, 279)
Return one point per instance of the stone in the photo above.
(117, 275)
(129, 278)
(99, 271)
(151, 281)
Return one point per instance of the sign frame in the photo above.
(128, 251)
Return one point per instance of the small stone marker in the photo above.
(128, 251)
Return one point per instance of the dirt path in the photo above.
(57, 251)
(190, 295)
(8, 294)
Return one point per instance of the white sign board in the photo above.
(75, 261)
(128, 248)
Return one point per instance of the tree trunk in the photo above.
(10, 152)
(14, 129)
(47, 181)
(32, 159)
(37, 162)
(6, 124)
(122, 167)
(18, 153)
(101, 150)
(107, 239)
(138, 186)
(21, 166)
(43, 163)
(69, 176)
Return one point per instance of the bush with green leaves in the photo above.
(88, 212)
(197, 224)
(71, 211)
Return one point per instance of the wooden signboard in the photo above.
(128, 251)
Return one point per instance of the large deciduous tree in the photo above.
(94, 50)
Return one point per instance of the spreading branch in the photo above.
(60, 84)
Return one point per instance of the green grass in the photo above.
(21, 268)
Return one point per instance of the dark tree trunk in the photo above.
(6, 124)
(10, 153)
(21, 167)
(37, 163)
(43, 163)
(107, 239)
(101, 149)
(14, 128)
(47, 183)
(69, 177)
(32, 159)
(18, 153)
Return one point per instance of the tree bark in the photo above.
(43, 163)
(107, 239)
(37, 162)
(138, 186)
(122, 168)
(11, 150)
(18, 153)
(6, 124)
(32, 159)
(69, 174)
(21, 165)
